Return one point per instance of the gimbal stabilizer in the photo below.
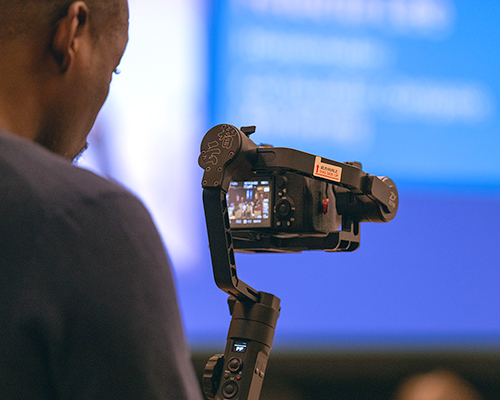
(227, 154)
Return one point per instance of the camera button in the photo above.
(230, 389)
(234, 364)
(281, 181)
(283, 208)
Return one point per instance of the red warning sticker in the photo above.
(327, 171)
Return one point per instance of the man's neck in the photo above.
(20, 85)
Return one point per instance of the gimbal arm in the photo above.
(223, 149)
(228, 154)
(221, 247)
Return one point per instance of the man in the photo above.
(87, 301)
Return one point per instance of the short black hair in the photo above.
(18, 17)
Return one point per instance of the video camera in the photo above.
(285, 200)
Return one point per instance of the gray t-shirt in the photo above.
(88, 308)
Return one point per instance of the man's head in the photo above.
(57, 60)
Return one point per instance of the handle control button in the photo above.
(230, 389)
(234, 364)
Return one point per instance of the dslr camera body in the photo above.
(285, 200)
(281, 204)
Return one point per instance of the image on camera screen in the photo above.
(248, 204)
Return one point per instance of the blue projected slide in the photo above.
(408, 87)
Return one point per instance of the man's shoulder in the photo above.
(28, 168)
(45, 196)
(37, 183)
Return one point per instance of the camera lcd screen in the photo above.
(248, 204)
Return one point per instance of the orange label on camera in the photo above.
(327, 171)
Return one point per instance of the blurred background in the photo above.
(410, 88)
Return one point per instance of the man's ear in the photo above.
(70, 30)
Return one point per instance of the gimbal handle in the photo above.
(240, 372)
